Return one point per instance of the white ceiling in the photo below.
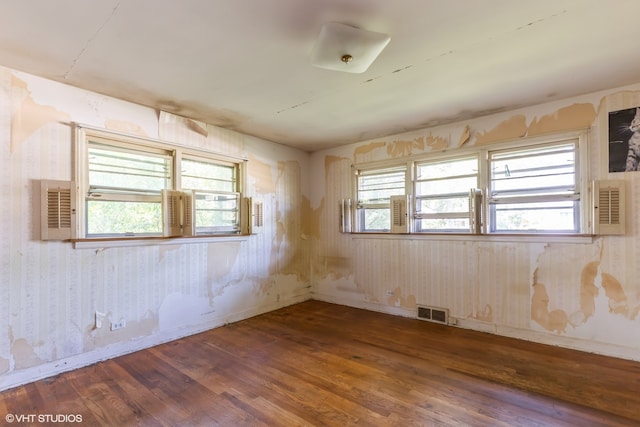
(244, 64)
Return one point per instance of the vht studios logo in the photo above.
(43, 418)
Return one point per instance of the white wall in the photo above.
(50, 291)
(583, 294)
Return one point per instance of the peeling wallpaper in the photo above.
(579, 295)
(50, 292)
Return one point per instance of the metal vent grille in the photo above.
(433, 314)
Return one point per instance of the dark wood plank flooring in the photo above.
(319, 364)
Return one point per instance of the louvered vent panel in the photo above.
(171, 213)
(399, 213)
(187, 202)
(258, 216)
(188, 210)
(399, 222)
(58, 210)
(609, 207)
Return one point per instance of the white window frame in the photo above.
(480, 202)
(361, 207)
(201, 193)
(578, 196)
(84, 134)
(469, 214)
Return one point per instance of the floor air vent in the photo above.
(433, 314)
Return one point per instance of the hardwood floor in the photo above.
(318, 364)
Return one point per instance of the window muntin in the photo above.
(535, 189)
(442, 194)
(375, 188)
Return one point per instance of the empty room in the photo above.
(320, 213)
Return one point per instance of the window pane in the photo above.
(525, 217)
(203, 175)
(451, 204)
(529, 186)
(443, 224)
(546, 170)
(442, 194)
(447, 186)
(455, 167)
(111, 218)
(376, 219)
(217, 200)
(127, 171)
(217, 213)
(374, 197)
(379, 187)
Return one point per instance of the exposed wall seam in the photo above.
(86, 46)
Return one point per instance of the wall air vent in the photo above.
(609, 207)
(399, 214)
(58, 215)
(433, 314)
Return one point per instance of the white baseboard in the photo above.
(380, 308)
(56, 367)
(588, 346)
(49, 369)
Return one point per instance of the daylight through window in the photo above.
(134, 187)
(532, 186)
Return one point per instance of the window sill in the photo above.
(523, 238)
(152, 241)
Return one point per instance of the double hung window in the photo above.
(135, 187)
(535, 189)
(442, 194)
(123, 189)
(532, 186)
(215, 188)
(375, 189)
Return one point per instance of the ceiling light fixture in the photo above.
(345, 48)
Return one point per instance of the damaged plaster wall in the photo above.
(583, 294)
(50, 292)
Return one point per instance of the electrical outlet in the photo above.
(118, 325)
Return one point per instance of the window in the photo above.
(215, 188)
(123, 189)
(375, 188)
(442, 194)
(535, 189)
(531, 186)
(134, 187)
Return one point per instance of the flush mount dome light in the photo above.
(345, 48)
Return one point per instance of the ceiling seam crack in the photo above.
(86, 46)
